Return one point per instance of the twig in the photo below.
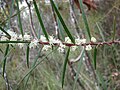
(74, 20)
(55, 22)
(8, 87)
(78, 58)
(31, 20)
(89, 65)
(91, 43)
(69, 44)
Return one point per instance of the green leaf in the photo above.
(11, 9)
(14, 41)
(85, 19)
(100, 30)
(27, 56)
(19, 18)
(4, 61)
(62, 33)
(114, 28)
(62, 22)
(64, 66)
(101, 80)
(95, 55)
(5, 32)
(40, 20)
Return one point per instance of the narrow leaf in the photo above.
(62, 22)
(85, 19)
(40, 20)
(4, 61)
(19, 18)
(100, 30)
(14, 41)
(5, 32)
(101, 80)
(11, 9)
(27, 56)
(114, 28)
(64, 66)
(95, 55)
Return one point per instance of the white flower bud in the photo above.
(13, 39)
(88, 47)
(20, 37)
(34, 43)
(60, 49)
(51, 40)
(46, 48)
(43, 38)
(79, 41)
(93, 39)
(67, 40)
(61, 45)
(73, 48)
(3, 38)
(26, 37)
(11, 33)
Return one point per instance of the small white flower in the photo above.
(26, 37)
(83, 41)
(60, 49)
(1, 32)
(67, 40)
(20, 37)
(46, 47)
(3, 38)
(21, 45)
(57, 41)
(43, 38)
(73, 48)
(88, 47)
(62, 45)
(13, 37)
(11, 33)
(34, 43)
(51, 40)
(93, 39)
(79, 41)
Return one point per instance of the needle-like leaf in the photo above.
(65, 65)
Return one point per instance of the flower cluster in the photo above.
(15, 37)
(52, 41)
(62, 46)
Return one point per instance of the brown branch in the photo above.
(79, 32)
(90, 43)
(31, 20)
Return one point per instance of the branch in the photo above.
(91, 43)
(31, 20)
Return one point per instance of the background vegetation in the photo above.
(48, 74)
